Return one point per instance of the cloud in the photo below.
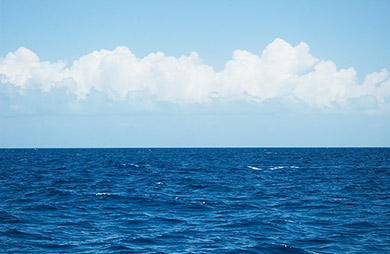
(282, 71)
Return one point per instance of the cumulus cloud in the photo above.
(282, 71)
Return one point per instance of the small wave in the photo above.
(9, 218)
(127, 165)
(19, 234)
(278, 167)
(104, 194)
(144, 240)
(132, 165)
(360, 225)
(254, 168)
(278, 248)
(168, 219)
(56, 246)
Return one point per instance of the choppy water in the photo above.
(195, 200)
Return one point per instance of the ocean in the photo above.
(195, 200)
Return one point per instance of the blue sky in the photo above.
(191, 73)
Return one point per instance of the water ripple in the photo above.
(195, 200)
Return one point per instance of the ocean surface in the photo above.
(195, 200)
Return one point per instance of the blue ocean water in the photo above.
(228, 200)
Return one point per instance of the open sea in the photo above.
(195, 200)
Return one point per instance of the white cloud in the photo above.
(281, 71)
(23, 67)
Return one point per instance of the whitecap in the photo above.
(254, 168)
(278, 167)
(104, 194)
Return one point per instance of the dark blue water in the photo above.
(195, 200)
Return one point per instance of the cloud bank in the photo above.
(282, 72)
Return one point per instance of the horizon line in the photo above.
(194, 147)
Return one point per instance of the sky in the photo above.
(194, 73)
